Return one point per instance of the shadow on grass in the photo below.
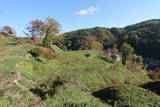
(39, 92)
(50, 91)
(152, 86)
(75, 105)
(14, 43)
(106, 59)
(106, 95)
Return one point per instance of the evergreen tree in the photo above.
(48, 38)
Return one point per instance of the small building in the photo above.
(116, 57)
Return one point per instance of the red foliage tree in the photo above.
(89, 42)
(7, 30)
(36, 29)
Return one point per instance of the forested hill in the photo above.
(144, 37)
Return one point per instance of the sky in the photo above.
(78, 14)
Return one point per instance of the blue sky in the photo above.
(78, 14)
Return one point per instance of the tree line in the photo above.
(144, 37)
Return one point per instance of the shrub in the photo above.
(139, 59)
(47, 53)
(2, 92)
(88, 55)
(36, 52)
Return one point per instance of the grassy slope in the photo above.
(82, 75)
(128, 96)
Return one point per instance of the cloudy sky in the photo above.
(78, 14)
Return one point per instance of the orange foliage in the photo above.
(154, 75)
(48, 53)
(90, 43)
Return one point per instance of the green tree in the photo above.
(53, 29)
(48, 38)
(127, 52)
(54, 24)
(139, 59)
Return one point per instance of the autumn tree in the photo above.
(89, 42)
(36, 29)
(85, 42)
(96, 46)
(7, 30)
(54, 25)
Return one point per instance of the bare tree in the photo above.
(36, 29)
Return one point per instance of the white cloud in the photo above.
(87, 11)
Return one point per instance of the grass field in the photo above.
(68, 80)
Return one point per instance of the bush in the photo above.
(88, 55)
(47, 53)
(2, 92)
(139, 59)
(128, 96)
(36, 52)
